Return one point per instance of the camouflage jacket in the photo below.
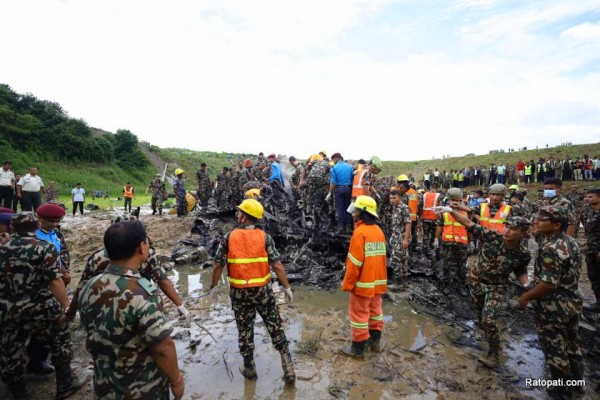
(400, 217)
(577, 199)
(559, 263)
(122, 314)
(495, 261)
(591, 223)
(203, 180)
(27, 266)
(221, 254)
(563, 202)
(223, 182)
(319, 170)
(295, 178)
(158, 188)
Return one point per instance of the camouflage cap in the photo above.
(455, 193)
(497, 188)
(554, 212)
(518, 222)
(24, 217)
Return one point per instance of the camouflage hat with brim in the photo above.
(554, 212)
(518, 222)
(24, 217)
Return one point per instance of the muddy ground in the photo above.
(432, 346)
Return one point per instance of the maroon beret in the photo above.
(336, 155)
(272, 155)
(51, 212)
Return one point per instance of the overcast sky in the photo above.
(403, 80)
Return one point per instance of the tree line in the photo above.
(30, 125)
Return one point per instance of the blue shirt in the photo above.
(276, 173)
(341, 174)
(50, 237)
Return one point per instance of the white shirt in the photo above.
(78, 194)
(6, 177)
(30, 183)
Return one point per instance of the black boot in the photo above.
(374, 342)
(66, 383)
(20, 390)
(249, 368)
(289, 376)
(356, 350)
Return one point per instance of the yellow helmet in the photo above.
(315, 157)
(178, 171)
(364, 203)
(513, 187)
(402, 178)
(323, 152)
(252, 193)
(252, 207)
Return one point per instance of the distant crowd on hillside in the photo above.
(523, 172)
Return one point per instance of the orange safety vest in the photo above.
(495, 224)
(366, 273)
(413, 203)
(247, 259)
(454, 232)
(430, 200)
(128, 192)
(357, 183)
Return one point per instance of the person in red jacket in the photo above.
(365, 279)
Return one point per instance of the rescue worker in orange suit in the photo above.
(128, 194)
(411, 199)
(365, 279)
(248, 252)
(357, 180)
(430, 199)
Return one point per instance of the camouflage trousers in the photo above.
(16, 336)
(398, 257)
(557, 326)
(204, 192)
(429, 228)
(455, 261)
(316, 191)
(245, 304)
(488, 300)
(157, 203)
(223, 197)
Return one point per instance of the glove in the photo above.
(328, 196)
(289, 295)
(214, 294)
(436, 243)
(472, 246)
(184, 312)
(441, 209)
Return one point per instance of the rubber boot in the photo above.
(66, 383)
(249, 368)
(289, 376)
(20, 390)
(356, 350)
(374, 342)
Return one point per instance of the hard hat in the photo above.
(455, 193)
(376, 162)
(515, 187)
(421, 190)
(402, 178)
(178, 171)
(315, 157)
(497, 188)
(323, 152)
(252, 193)
(364, 203)
(252, 208)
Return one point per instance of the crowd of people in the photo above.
(387, 219)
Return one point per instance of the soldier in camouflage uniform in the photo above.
(223, 188)
(127, 332)
(384, 207)
(399, 238)
(519, 209)
(553, 197)
(204, 188)
(247, 252)
(150, 270)
(158, 194)
(488, 277)
(299, 170)
(317, 184)
(32, 300)
(455, 248)
(180, 192)
(555, 298)
(591, 222)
